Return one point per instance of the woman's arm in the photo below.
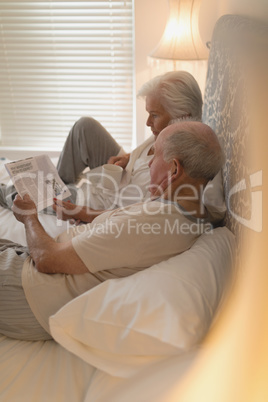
(119, 160)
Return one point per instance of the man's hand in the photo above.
(65, 210)
(119, 160)
(23, 207)
(49, 256)
(75, 213)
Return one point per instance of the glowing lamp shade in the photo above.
(181, 39)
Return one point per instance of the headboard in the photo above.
(235, 45)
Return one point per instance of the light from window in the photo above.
(60, 60)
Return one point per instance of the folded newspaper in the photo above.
(38, 177)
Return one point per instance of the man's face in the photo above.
(158, 118)
(159, 168)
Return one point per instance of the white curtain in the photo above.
(60, 60)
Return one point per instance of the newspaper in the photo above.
(38, 177)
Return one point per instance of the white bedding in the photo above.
(41, 372)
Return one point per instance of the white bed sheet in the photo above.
(41, 371)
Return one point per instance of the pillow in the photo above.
(213, 199)
(125, 324)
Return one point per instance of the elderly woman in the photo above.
(174, 95)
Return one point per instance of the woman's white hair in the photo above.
(178, 93)
(197, 148)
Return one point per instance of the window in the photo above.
(60, 60)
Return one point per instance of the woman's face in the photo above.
(158, 118)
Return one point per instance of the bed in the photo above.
(155, 318)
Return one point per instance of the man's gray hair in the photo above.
(178, 93)
(200, 155)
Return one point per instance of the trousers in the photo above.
(16, 317)
(88, 145)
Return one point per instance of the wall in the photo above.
(211, 10)
(150, 21)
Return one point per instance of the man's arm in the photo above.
(49, 256)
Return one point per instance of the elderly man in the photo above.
(38, 281)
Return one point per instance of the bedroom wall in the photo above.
(150, 21)
(211, 10)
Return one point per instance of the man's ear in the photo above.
(176, 169)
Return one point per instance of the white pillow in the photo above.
(125, 324)
(213, 199)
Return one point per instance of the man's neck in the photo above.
(189, 196)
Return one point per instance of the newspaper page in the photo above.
(38, 177)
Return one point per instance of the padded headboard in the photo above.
(226, 109)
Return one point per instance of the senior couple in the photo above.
(183, 157)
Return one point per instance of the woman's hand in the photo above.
(119, 160)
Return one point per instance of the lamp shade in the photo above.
(181, 39)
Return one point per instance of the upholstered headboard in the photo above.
(236, 39)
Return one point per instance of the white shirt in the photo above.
(133, 187)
